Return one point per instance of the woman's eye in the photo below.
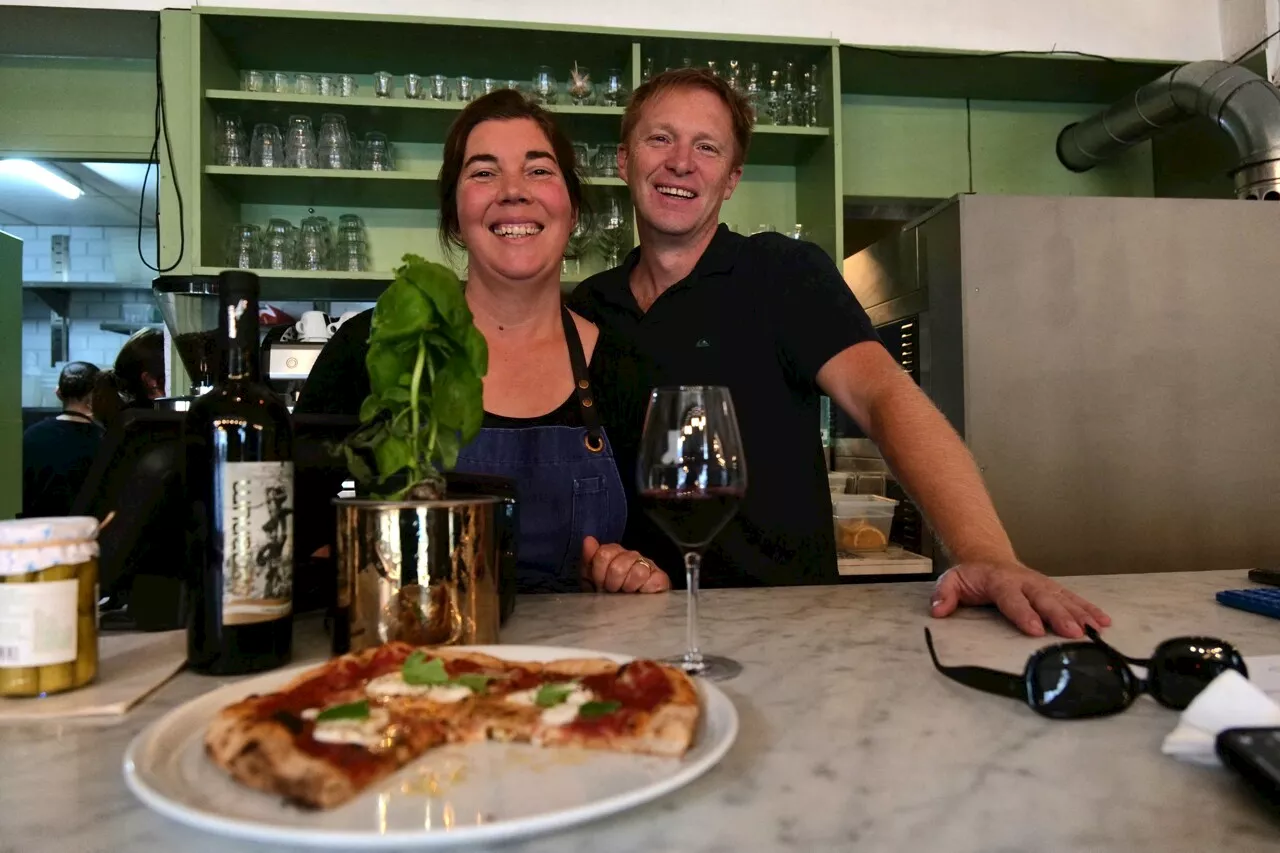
(482, 173)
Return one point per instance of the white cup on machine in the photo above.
(337, 324)
(313, 327)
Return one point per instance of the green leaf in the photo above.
(396, 395)
(474, 680)
(447, 448)
(457, 394)
(477, 349)
(350, 711)
(403, 311)
(598, 709)
(357, 466)
(391, 455)
(418, 670)
(371, 408)
(550, 695)
(386, 366)
(440, 285)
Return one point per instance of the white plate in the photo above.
(462, 793)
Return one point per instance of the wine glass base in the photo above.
(710, 667)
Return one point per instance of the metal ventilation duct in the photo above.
(1240, 102)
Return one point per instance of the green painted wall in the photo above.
(920, 148)
(10, 376)
(77, 108)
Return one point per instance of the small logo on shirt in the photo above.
(703, 343)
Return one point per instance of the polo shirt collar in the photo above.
(719, 257)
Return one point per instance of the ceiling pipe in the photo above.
(1238, 101)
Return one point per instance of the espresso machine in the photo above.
(287, 362)
(189, 305)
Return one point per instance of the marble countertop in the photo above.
(849, 739)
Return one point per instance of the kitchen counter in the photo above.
(849, 739)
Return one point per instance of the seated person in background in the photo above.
(58, 452)
(136, 379)
(509, 196)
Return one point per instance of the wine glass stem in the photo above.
(692, 564)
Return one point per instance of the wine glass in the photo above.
(692, 474)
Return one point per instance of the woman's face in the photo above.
(513, 207)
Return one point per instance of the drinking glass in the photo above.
(230, 145)
(327, 85)
(300, 144)
(713, 67)
(313, 244)
(544, 86)
(279, 245)
(267, 148)
(278, 82)
(253, 81)
(383, 84)
(347, 86)
(304, 84)
(615, 233)
(438, 87)
(613, 91)
(489, 85)
(335, 142)
(413, 87)
(376, 154)
(466, 89)
(798, 232)
(244, 247)
(735, 75)
(580, 88)
(647, 73)
(605, 163)
(691, 476)
(582, 157)
(812, 96)
(579, 243)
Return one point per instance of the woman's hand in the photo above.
(612, 568)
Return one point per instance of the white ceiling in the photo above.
(111, 196)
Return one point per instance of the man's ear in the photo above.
(623, 154)
(734, 177)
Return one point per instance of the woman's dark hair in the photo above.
(502, 105)
(124, 385)
(77, 381)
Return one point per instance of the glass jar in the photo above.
(48, 605)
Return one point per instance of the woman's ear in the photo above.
(155, 387)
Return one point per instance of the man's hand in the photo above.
(1027, 598)
(612, 568)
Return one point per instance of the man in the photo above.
(57, 453)
(772, 319)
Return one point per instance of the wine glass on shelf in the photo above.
(691, 476)
(614, 233)
(577, 246)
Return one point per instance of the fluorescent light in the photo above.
(39, 174)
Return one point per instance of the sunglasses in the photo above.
(1072, 681)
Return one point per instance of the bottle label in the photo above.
(257, 506)
(38, 623)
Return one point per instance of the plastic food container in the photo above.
(862, 522)
(48, 605)
(838, 482)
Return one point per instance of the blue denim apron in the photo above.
(567, 484)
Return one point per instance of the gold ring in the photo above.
(646, 562)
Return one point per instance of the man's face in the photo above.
(679, 162)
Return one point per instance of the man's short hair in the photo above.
(740, 111)
(77, 380)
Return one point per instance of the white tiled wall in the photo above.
(105, 255)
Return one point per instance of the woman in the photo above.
(136, 379)
(509, 196)
(58, 452)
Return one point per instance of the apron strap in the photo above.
(594, 439)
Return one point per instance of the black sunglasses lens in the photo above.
(1182, 667)
(1079, 680)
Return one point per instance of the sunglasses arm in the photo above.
(979, 677)
(1097, 638)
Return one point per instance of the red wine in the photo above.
(238, 443)
(691, 519)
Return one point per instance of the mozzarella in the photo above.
(393, 684)
(557, 715)
(367, 732)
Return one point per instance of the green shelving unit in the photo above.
(791, 175)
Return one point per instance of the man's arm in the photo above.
(938, 472)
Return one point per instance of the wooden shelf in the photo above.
(401, 119)
(324, 187)
(784, 145)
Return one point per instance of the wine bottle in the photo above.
(238, 443)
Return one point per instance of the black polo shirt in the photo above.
(760, 315)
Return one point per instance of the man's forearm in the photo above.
(937, 470)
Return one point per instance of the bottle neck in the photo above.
(238, 330)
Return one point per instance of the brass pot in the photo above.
(422, 572)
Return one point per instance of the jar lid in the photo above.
(35, 544)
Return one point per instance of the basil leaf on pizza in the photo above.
(598, 709)
(350, 711)
(550, 695)
(474, 680)
(418, 670)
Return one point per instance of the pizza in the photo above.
(347, 724)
